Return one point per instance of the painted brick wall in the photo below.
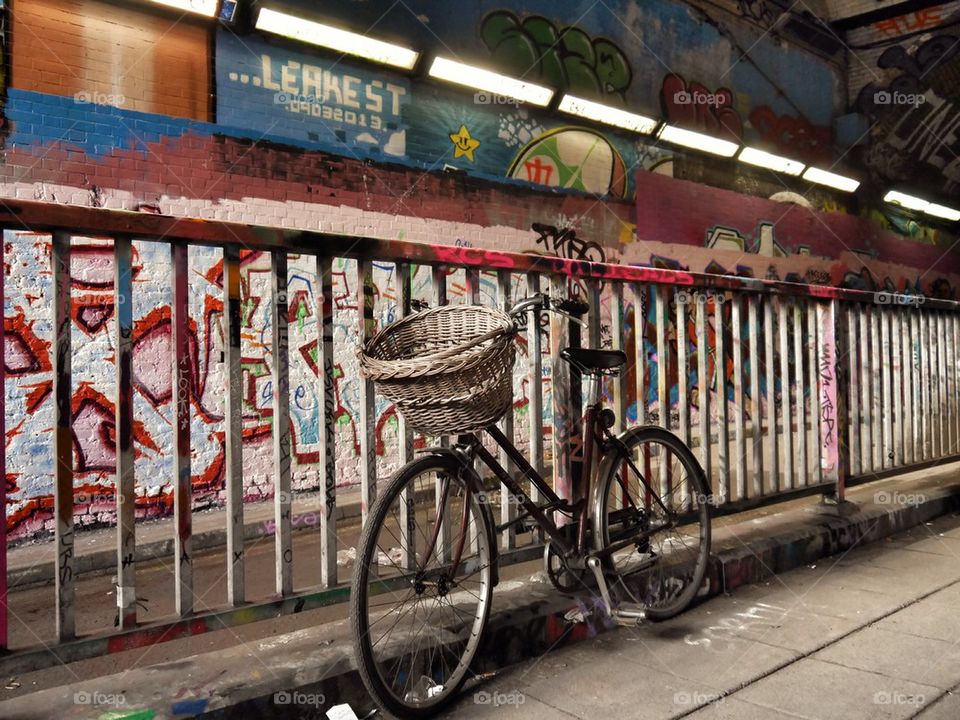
(123, 159)
(715, 230)
(112, 54)
(61, 150)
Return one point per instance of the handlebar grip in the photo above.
(572, 306)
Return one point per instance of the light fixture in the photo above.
(837, 182)
(201, 7)
(334, 38)
(912, 202)
(761, 158)
(697, 141)
(490, 82)
(908, 201)
(942, 211)
(605, 114)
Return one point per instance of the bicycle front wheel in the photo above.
(421, 588)
(654, 506)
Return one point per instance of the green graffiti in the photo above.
(301, 314)
(566, 58)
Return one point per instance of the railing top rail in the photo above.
(40, 217)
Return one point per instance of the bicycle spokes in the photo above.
(652, 520)
(427, 583)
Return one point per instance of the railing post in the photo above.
(756, 407)
(233, 421)
(739, 415)
(833, 385)
(508, 509)
(368, 420)
(565, 414)
(125, 481)
(326, 399)
(282, 497)
(535, 387)
(63, 436)
(182, 379)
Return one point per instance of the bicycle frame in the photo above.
(579, 508)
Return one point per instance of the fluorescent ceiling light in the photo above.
(908, 201)
(838, 182)
(942, 211)
(770, 161)
(698, 141)
(334, 38)
(606, 114)
(491, 82)
(201, 7)
(911, 202)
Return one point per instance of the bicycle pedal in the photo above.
(629, 614)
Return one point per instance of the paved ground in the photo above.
(871, 634)
(808, 643)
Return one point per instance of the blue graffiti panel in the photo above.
(310, 99)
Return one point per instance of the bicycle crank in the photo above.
(626, 614)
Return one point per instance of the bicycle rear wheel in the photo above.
(655, 501)
(418, 614)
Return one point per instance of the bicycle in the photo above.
(421, 594)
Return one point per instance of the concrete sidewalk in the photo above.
(710, 652)
(873, 633)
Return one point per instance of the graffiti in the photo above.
(925, 132)
(911, 22)
(565, 58)
(915, 67)
(319, 386)
(695, 106)
(760, 11)
(463, 144)
(726, 238)
(726, 632)
(565, 243)
(795, 137)
(828, 391)
(574, 158)
(301, 97)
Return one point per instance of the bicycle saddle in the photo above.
(594, 360)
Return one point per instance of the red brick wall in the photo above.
(117, 55)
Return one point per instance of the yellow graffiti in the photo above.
(463, 144)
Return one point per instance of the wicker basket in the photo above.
(448, 369)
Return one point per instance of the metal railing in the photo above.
(780, 388)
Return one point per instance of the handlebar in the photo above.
(571, 307)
